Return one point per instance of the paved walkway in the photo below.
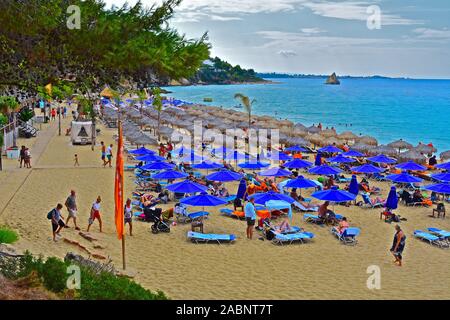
(14, 178)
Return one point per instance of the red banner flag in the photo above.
(118, 187)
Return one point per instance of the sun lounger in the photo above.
(430, 238)
(197, 237)
(379, 177)
(283, 238)
(348, 236)
(301, 207)
(443, 234)
(229, 199)
(314, 218)
(368, 202)
(343, 180)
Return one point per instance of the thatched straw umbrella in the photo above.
(413, 156)
(328, 133)
(371, 141)
(360, 147)
(348, 136)
(313, 130)
(445, 155)
(424, 148)
(333, 141)
(315, 139)
(382, 149)
(400, 144)
(298, 141)
(144, 140)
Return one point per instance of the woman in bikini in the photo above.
(95, 214)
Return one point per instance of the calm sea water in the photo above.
(388, 109)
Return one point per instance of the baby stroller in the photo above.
(154, 215)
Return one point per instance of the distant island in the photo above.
(333, 80)
(275, 75)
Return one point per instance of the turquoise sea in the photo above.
(388, 109)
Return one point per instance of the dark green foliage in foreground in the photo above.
(7, 235)
(221, 72)
(53, 274)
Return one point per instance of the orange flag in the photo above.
(118, 187)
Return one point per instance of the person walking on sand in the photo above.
(76, 164)
(95, 214)
(27, 159)
(109, 155)
(72, 209)
(128, 215)
(22, 156)
(250, 216)
(57, 221)
(398, 245)
(103, 153)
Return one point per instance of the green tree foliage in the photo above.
(248, 104)
(7, 235)
(133, 43)
(221, 72)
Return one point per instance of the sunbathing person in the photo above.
(419, 198)
(343, 225)
(375, 201)
(273, 186)
(325, 214)
(223, 192)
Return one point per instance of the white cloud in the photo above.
(354, 10)
(428, 33)
(188, 16)
(311, 30)
(287, 53)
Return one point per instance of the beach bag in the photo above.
(50, 214)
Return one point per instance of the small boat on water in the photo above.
(207, 99)
(238, 106)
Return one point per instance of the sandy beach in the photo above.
(248, 269)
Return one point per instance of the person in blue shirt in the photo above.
(250, 216)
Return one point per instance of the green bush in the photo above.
(54, 274)
(8, 235)
(106, 286)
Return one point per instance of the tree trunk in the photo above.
(159, 124)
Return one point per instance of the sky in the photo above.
(396, 38)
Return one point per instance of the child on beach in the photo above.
(95, 214)
(76, 164)
(27, 159)
(103, 153)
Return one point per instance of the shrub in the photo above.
(106, 286)
(8, 235)
(54, 274)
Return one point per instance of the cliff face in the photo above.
(332, 79)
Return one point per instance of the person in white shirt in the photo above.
(95, 214)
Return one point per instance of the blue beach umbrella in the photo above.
(224, 176)
(242, 188)
(353, 153)
(381, 158)
(340, 159)
(253, 165)
(158, 165)
(235, 155)
(439, 188)
(295, 149)
(207, 165)
(353, 186)
(203, 200)
(169, 175)
(330, 149)
(150, 158)
(403, 178)
(392, 199)
(318, 160)
(276, 156)
(300, 183)
(334, 195)
(445, 166)
(324, 170)
(297, 164)
(192, 157)
(442, 176)
(186, 186)
(275, 172)
(262, 198)
(182, 151)
(410, 165)
(142, 151)
(367, 168)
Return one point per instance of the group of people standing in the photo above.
(57, 219)
(106, 155)
(25, 157)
